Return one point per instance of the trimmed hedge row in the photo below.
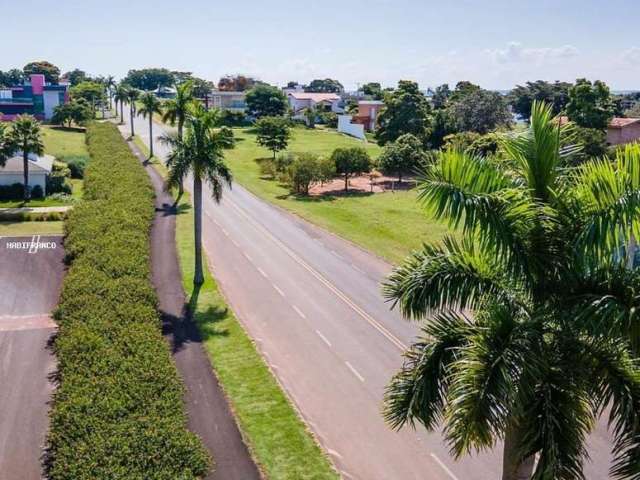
(118, 411)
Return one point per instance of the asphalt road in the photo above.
(312, 303)
(209, 413)
(29, 286)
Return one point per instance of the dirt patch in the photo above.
(376, 183)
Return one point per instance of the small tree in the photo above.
(304, 171)
(590, 104)
(351, 161)
(403, 155)
(132, 97)
(150, 105)
(25, 135)
(326, 169)
(406, 110)
(273, 133)
(77, 111)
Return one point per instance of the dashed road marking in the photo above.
(336, 254)
(275, 287)
(248, 257)
(354, 371)
(262, 272)
(226, 234)
(444, 467)
(324, 339)
(299, 312)
(233, 240)
(358, 269)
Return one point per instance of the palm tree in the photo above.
(150, 105)
(110, 84)
(121, 95)
(533, 327)
(25, 136)
(201, 152)
(132, 97)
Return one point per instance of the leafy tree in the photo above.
(121, 95)
(304, 171)
(590, 104)
(92, 92)
(11, 77)
(441, 96)
(7, 145)
(133, 94)
(406, 111)
(351, 161)
(634, 111)
(150, 105)
(77, 111)
(273, 133)
(266, 101)
(200, 152)
(327, 85)
(49, 70)
(593, 142)
(149, 78)
(76, 76)
(326, 169)
(480, 111)
(311, 115)
(463, 88)
(442, 125)
(555, 94)
(531, 314)
(177, 108)
(373, 89)
(403, 155)
(25, 136)
(238, 83)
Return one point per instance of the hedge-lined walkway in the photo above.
(118, 411)
(209, 413)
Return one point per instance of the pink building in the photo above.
(368, 111)
(623, 130)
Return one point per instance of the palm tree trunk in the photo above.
(346, 182)
(131, 114)
(25, 171)
(181, 183)
(150, 135)
(121, 111)
(513, 467)
(198, 277)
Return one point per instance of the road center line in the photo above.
(248, 256)
(262, 272)
(324, 339)
(444, 467)
(354, 371)
(277, 289)
(373, 322)
(299, 312)
(226, 234)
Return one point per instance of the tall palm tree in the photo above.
(110, 84)
(533, 328)
(132, 97)
(201, 152)
(25, 136)
(121, 95)
(150, 105)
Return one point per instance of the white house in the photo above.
(39, 169)
(300, 101)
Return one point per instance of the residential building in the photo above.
(300, 101)
(34, 97)
(623, 130)
(39, 170)
(368, 111)
(224, 100)
(165, 92)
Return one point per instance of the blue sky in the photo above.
(496, 43)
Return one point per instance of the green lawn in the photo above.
(64, 143)
(15, 229)
(388, 224)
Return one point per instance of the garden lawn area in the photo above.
(17, 229)
(64, 143)
(389, 224)
(277, 438)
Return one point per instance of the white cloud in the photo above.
(515, 52)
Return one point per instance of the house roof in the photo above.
(315, 97)
(616, 122)
(370, 102)
(37, 163)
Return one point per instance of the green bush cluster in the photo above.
(118, 411)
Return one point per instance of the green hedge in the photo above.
(118, 411)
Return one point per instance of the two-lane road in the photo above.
(312, 303)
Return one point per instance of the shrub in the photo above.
(14, 191)
(36, 192)
(57, 180)
(304, 171)
(118, 410)
(76, 165)
(403, 155)
(351, 161)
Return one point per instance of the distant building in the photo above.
(165, 92)
(300, 101)
(39, 170)
(368, 111)
(34, 97)
(620, 130)
(232, 101)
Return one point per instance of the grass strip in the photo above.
(118, 410)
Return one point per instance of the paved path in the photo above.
(312, 303)
(29, 285)
(15, 210)
(209, 413)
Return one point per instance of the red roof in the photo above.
(616, 122)
(316, 97)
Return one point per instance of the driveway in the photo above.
(30, 276)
